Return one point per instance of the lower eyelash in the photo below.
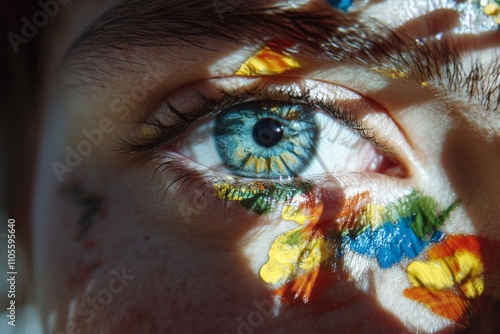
(209, 186)
(176, 173)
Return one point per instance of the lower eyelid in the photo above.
(195, 195)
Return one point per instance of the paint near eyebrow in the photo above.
(392, 72)
(492, 8)
(267, 61)
(341, 4)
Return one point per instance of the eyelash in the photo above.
(173, 171)
(165, 134)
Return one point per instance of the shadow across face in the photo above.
(471, 160)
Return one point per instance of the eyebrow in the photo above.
(319, 31)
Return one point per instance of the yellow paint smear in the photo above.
(492, 9)
(392, 73)
(464, 269)
(293, 251)
(267, 62)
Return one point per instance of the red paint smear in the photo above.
(450, 303)
(323, 289)
(486, 249)
(89, 244)
(308, 287)
(275, 59)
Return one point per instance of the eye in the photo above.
(255, 129)
(278, 139)
(266, 139)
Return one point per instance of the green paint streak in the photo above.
(295, 238)
(263, 200)
(423, 209)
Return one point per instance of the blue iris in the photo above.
(341, 4)
(266, 139)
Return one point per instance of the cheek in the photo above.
(138, 263)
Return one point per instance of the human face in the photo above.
(156, 210)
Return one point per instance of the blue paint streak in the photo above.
(390, 243)
(341, 4)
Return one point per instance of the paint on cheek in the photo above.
(292, 252)
(306, 260)
(452, 275)
(271, 60)
(402, 228)
(91, 205)
(302, 260)
(261, 197)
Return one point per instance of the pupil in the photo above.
(267, 132)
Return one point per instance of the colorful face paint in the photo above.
(392, 73)
(452, 275)
(293, 252)
(389, 233)
(402, 229)
(476, 15)
(261, 197)
(271, 60)
(305, 260)
(492, 9)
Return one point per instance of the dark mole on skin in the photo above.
(91, 205)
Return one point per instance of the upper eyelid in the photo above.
(168, 122)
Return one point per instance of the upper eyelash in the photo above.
(183, 121)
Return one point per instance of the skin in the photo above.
(196, 269)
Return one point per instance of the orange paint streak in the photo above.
(450, 303)
(351, 209)
(453, 243)
(280, 45)
(307, 287)
(447, 303)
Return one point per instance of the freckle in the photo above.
(146, 237)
